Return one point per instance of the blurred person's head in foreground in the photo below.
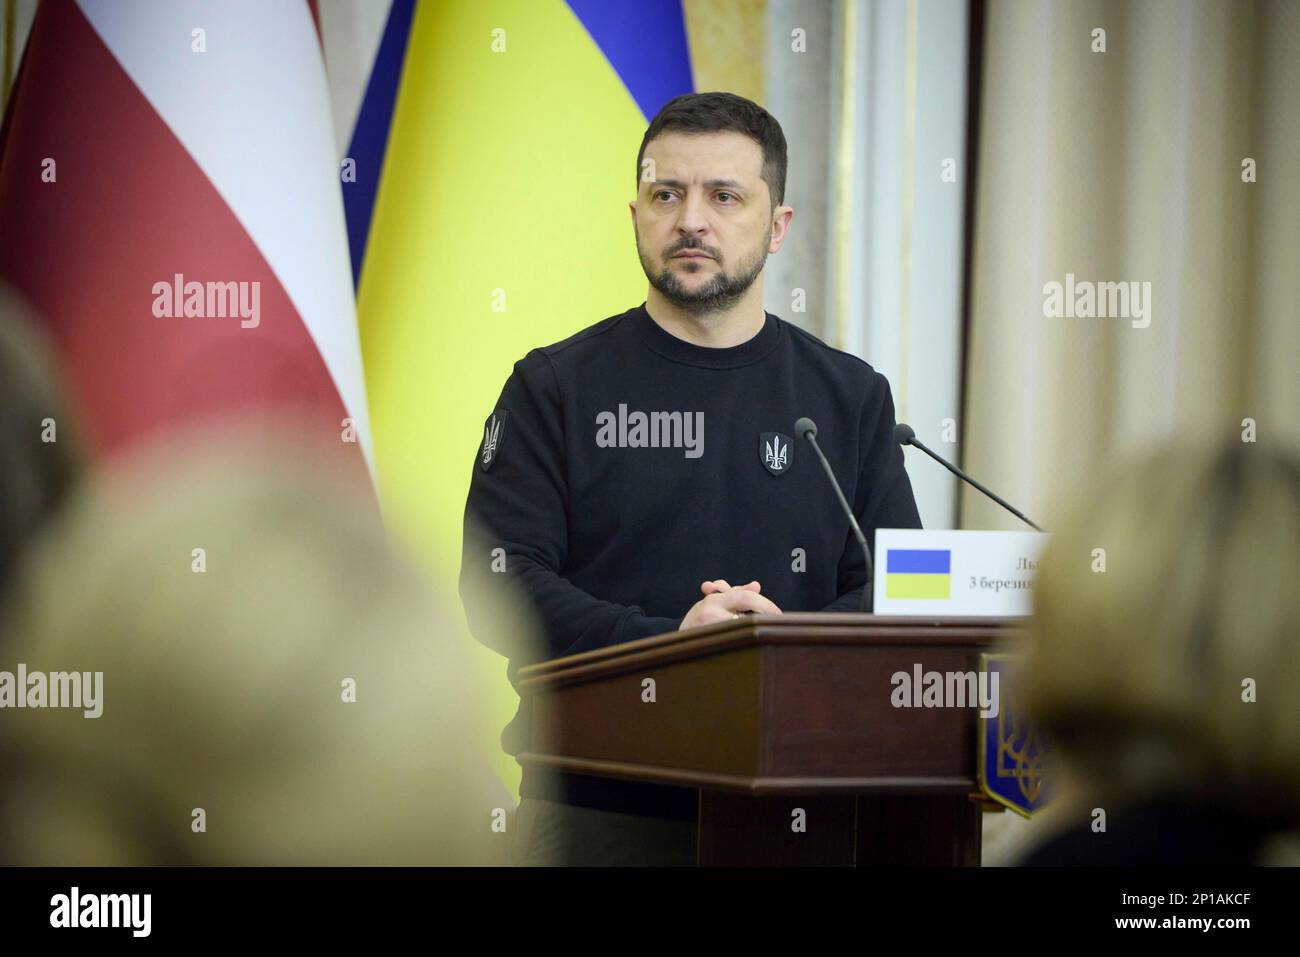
(292, 687)
(1169, 683)
(40, 458)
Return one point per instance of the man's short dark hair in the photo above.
(716, 112)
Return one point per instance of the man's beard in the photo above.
(718, 294)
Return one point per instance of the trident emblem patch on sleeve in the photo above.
(493, 432)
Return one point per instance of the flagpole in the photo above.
(9, 51)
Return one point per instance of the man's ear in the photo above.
(781, 217)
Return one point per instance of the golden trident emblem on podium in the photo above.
(1010, 747)
(1020, 753)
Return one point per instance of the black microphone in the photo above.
(904, 435)
(808, 429)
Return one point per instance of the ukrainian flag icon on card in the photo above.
(956, 572)
(918, 573)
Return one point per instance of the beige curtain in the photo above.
(1126, 165)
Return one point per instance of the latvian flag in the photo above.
(170, 205)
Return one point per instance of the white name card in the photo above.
(949, 572)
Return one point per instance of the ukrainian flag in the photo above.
(918, 573)
(495, 155)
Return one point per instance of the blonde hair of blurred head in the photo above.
(224, 689)
(1138, 672)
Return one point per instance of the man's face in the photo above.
(703, 218)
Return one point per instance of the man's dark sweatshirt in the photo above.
(611, 516)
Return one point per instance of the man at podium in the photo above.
(630, 473)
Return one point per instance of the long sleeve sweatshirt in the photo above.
(623, 466)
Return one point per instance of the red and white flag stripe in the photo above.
(148, 140)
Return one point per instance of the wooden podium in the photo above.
(767, 714)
